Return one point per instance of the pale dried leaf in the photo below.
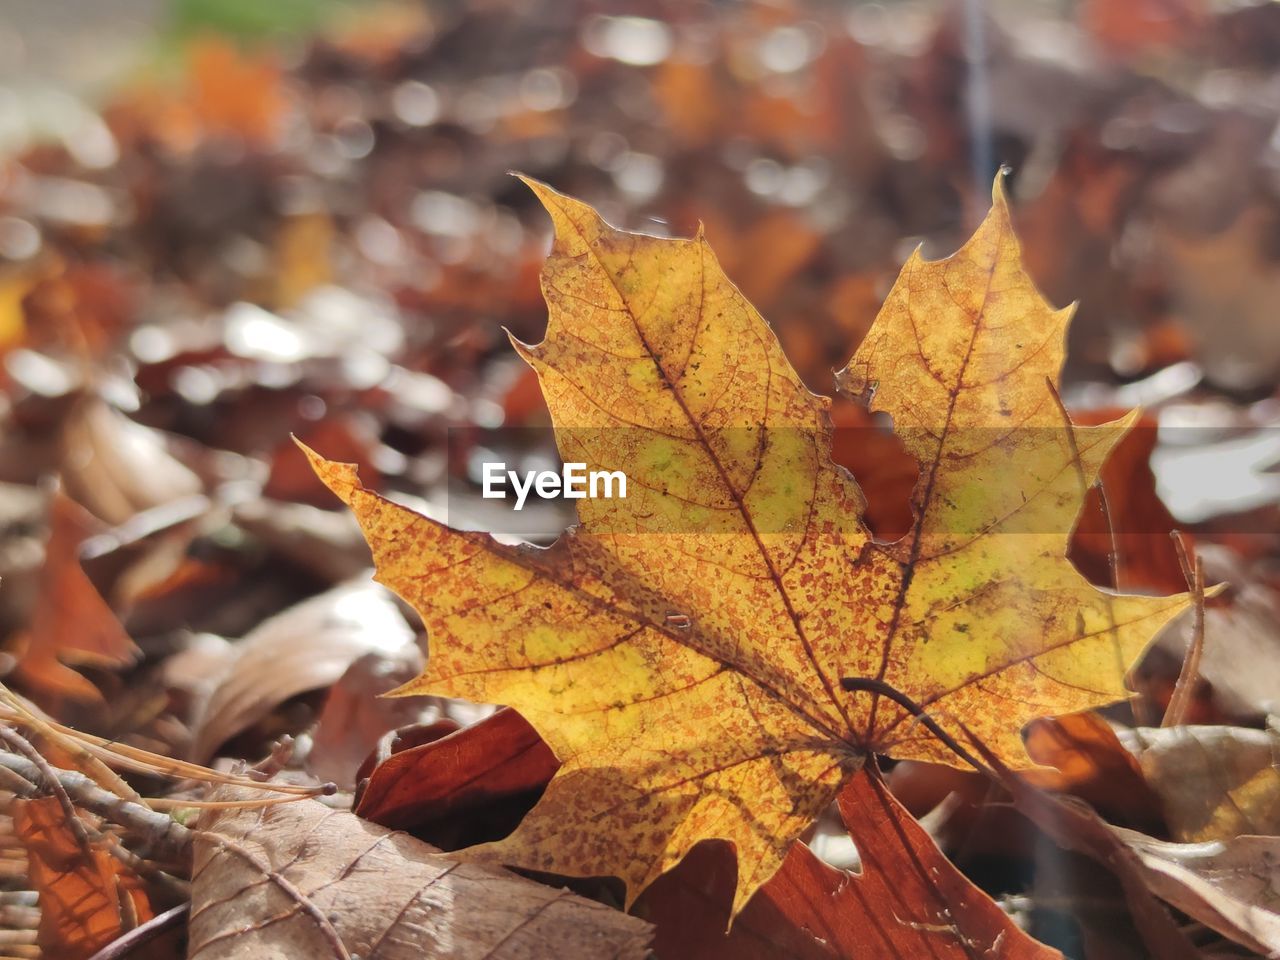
(305, 880)
(1214, 782)
(356, 715)
(1230, 887)
(116, 466)
(307, 647)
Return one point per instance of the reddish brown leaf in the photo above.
(291, 479)
(908, 902)
(80, 307)
(1091, 763)
(1140, 26)
(1144, 554)
(886, 472)
(491, 771)
(71, 623)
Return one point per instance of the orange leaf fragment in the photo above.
(71, 624)
(87, 897)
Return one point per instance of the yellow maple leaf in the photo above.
(682, 650)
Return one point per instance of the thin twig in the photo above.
(24, 713)
(177, 803)
(1189, 675)
(13, 782)
(104, 751)
(157, 926)
(167, 840)
(19, 744)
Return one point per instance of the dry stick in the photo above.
(167, 839)
(22, 712)
(144, 761)
(158, 925)
(19, 744)
(1189, 675)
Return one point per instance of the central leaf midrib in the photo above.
(696, 425)
(926, 496)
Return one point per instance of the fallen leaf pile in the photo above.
(905, 666)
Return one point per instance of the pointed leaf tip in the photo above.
(547, 195)
(526, 351)
(568, 216)
(342, 478)
(999, 190)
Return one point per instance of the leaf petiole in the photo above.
(880, 688)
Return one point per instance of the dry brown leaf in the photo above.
(356, 715)
(1090, 762)
(70, 623)
(1215, 783)
(1230, 887)
(1074, 826)
(303, 880)
(117, 467)
(1241, 639)
(307, 647)
(87, 897)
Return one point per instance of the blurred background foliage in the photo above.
(226, 221)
